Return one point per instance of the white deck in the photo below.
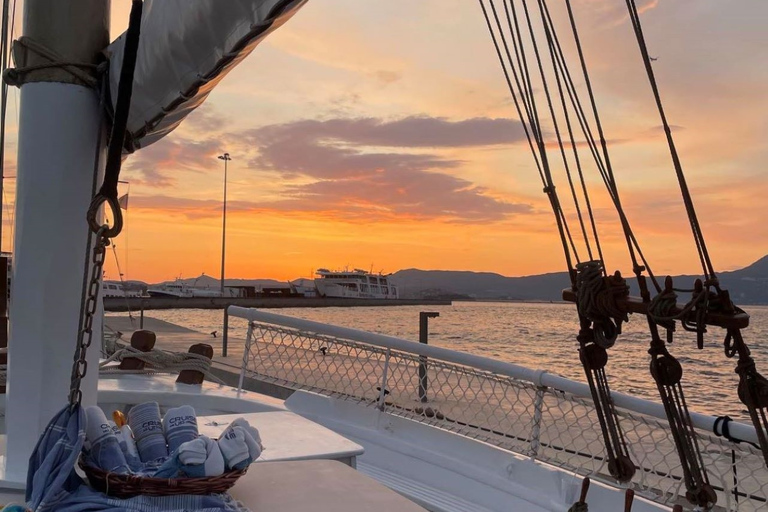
(319, 486)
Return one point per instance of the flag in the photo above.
(123, 201)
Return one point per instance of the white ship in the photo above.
(354, 284)
(117, 289)
(181, 289)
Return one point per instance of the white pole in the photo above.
(58, 141)
(226, 159)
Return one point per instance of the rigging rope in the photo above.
(530, 133)
(593, 355)
(122, 283)
(706, 263)
(668, 373)
(753, 387)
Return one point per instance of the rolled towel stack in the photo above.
(105, 449)
(144, 420)
(180, 426)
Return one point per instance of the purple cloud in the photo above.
(155, 165)
(412, 132)
(353, 178)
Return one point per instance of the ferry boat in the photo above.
(354, 284)
(117, 289)
(181, 289)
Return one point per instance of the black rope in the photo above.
(108, 191)
(529, 134)
(532, 133)
(553, 58)
(522, 67)
(547, 95)
(3, 102)
(526, 92)
(631, 240)
(706, 263)
(520, 82)
(123, 103)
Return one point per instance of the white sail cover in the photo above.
(186, 48)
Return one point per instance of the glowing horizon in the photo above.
(361, 137)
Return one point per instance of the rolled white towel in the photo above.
(234, 448)
(214, 461)
(242, 422)
(190, 453)
(193, 452)
(254, 448)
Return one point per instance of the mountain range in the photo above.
(748, 285)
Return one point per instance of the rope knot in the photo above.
(597, 299)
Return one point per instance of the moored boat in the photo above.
(357, 284)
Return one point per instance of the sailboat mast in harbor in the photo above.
(61, 145)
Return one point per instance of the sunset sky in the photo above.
(381, 134)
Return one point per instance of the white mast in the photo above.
(58, 142)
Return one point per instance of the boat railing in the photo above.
(530, 412)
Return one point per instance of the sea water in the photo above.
(541, 336)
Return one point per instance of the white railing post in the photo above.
(246, 353)
(538, 404)
(383, 389)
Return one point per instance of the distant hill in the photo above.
(481, 285)
(205, 281)
(747, 286)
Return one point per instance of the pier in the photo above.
(119, 304)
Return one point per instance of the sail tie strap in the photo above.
(721, 428)
(82, 73)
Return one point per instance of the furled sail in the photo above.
(187, 47)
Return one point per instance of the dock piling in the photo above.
(424, 317)
(225, 336)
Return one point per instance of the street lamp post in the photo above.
(226, 159)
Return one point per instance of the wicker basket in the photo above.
(127, 486)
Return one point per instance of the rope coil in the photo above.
(597, 299)
(160, 361)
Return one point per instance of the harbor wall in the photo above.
(117, 304)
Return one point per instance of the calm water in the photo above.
(539, 336)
